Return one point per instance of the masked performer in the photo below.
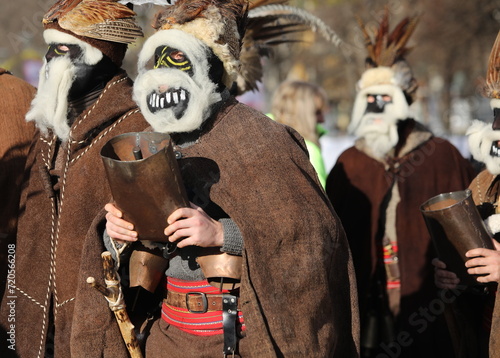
(483, 144)
(377, 187)
(83, 98)
(256, 195)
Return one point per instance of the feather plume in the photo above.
(100, 19)
(388, 47)
(492, 88)
(257, 3)
(295, 16)
(270, 25)
(261, 25)
(148, 2)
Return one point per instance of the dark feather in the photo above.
(269, 26)
(492, 89)
(295, 16)
(388, 47)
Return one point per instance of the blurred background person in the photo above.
(377, 186)
(302, 106)
(477, 308)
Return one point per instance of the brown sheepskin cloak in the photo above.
(360, 188)
(15, 138)
(59, 238)
(298, 292)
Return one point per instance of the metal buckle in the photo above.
(203, 299)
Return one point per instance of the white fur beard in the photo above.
(50, 106)
(380, 137)
(201, 97)
(396, 110)
(481, 138)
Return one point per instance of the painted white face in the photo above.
(377, 110)
(173, 88)
(484, 142)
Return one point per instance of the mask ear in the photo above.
(216, 71)
(403, 76)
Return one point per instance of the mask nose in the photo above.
(376, 103)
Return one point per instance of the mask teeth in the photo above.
(167, 99)
(495, 151)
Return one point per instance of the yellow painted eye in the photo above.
(178, 56)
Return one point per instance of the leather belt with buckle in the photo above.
(195, 302)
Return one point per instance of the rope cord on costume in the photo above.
(45, 158)
(118, 251)
(105, 133)
(119, 302)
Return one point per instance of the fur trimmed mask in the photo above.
(484, 140)
(378, 107)
(178, 83)
(71, 69)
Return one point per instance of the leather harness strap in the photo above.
(195, 302)
(229, 315)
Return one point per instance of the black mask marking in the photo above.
(56, 50)
(377, 103)
(172, 58)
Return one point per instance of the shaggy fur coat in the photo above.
(59, 237)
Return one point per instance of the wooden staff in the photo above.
(113, 294)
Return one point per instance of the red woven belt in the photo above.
(195, 307)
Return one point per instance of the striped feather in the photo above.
(296, 16)
(387, 47)
(100, 19)
(492, 88)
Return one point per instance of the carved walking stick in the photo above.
(113, 294)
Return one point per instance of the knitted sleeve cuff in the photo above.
(109, 245)
(233, 240)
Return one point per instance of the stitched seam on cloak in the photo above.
(97, 102)
(44, 306)
(52, 276)
(63, 187)
(45, 159)
(31, 298)
(44, 315)
(58, 225)
(105, 133)
(63, 303)
(54, 241)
